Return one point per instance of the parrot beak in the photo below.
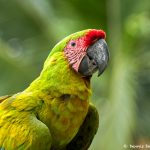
(96, 58)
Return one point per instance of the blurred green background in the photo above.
(30, 28)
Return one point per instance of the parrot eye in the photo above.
(73, 44)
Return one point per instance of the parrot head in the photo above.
(86, 51)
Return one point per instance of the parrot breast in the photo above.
(64, 116)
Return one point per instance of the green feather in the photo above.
(49, 113)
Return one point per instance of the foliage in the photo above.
(29, 29)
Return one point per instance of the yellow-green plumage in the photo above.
(48, 114)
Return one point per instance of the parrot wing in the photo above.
(2, 98)
(87, 131)
(24, 132)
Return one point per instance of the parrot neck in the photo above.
(57, 78)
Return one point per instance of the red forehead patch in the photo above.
(75, 50)
(93, 35)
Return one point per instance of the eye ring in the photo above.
(73, 44)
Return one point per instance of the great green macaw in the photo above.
(54, 112)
